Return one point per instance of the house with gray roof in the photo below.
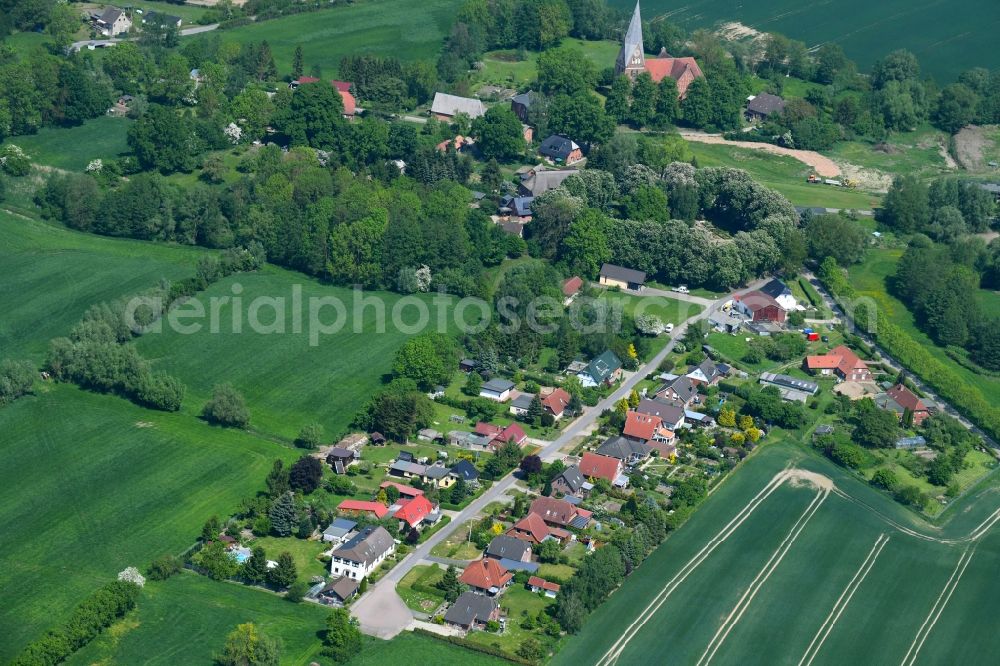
(571, 482)
(681, 390)
(561, 149)
(497, 389)
(521, 104)
(508, 547)
(792, 389)
(465, 471)
(624, 449)
(538, 181)
(339, 531)
(621, 277)
(113, 22)
(760, 107)
(471, 611)
(519, 406)
(366, 550)
(445, 107)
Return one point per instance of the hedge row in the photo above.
(95, 614)
(914, 356)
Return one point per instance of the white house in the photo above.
(497, 389)
(113, 22)
(782, 294)
(357, 558)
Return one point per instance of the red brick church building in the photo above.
(632, 61)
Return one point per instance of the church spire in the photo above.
(631, 59)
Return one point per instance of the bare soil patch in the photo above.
(971, 143)
(823, 165)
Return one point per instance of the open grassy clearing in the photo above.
(53, 274)
(383, 27)
(947, 37)
(504, 67)
(917, 153)
(707, 610)
(93, 484)
(185, 620)
(869, 279)
(784, 174)
(669, 310)
(72, 148)
(417, 589)
(286, 381)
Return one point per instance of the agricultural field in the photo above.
(948, 38)
(869, 278)
(104, 486)
(771, 548)
(286, 381)
(73, 148)
(53, 274)
(784, 174)
(382, 27)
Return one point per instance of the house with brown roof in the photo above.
(842, 362)
(560, 513)
(646, 429)
(759, 307)
(900, 399)
(556, 403)
(536, 584)
(570, 288)
(531, 528)
(596, 466)
(487, 576)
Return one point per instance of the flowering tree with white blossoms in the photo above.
(95, 165)
(234, 132)
(423, 278)
(132, 575)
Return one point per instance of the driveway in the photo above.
(381, 613)
(378, 610)
(103, 43)
(823, 165)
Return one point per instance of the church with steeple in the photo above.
(632, 60)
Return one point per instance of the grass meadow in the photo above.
(93, 484)
(784, 174)
(728, 604)
(286, 381)
(947, 37)
(395, 28)
(185, 619)
(869, 278)
(53, 274)
(72, 148)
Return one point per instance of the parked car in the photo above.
(669, 328)
(681, 289)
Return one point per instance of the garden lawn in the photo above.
(876, 625)
(784, 174)
(52, 275)
(286, 380)
(411, 648)
(93, 484)
(516, 599)
(73, 148)
(304, 553)
(185, 620)
(669, 310)
(384, 28)
(869, 278)
(417, 589)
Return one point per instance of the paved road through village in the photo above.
(382, 613)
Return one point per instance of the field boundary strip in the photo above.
(762, 577)
(938, 607)
(843, 600)
(612, 654)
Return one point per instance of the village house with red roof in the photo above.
(842, 362)
(487, 576)
(596, 466)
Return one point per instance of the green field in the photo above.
(72, 148)
(791, 562)
(286, 381)
(185, 621)
(52, 275)
(504, 67)
(947, 37)
(93, 484)
(869, 279)
(669, 310)
(784, 174)
(378, 27)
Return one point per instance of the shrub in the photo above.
(226, 407)
(310, 436)
(296, 591)
(16, 379)
(163, 567)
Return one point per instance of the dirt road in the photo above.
(824, 166)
